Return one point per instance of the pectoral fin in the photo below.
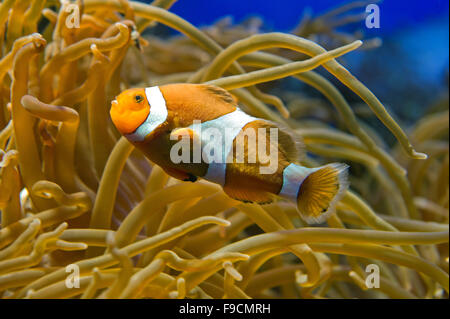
(184, 131)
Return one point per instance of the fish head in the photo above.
(129, 110)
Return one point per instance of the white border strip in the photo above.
(234, 122)
(293, 177)
(157, 115)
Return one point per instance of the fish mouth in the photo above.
(114, 102)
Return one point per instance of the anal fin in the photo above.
(248, 195)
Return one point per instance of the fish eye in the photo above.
(138, 98)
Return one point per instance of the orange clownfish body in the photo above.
(252, 159)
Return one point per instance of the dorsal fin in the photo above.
(290, 145)
(189, 102)
(223, 94)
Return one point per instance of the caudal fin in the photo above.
(320, 191)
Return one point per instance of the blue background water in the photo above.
(407, 72)
(283, 15)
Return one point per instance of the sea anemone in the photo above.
(75, 196)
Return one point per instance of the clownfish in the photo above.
(153, 119)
